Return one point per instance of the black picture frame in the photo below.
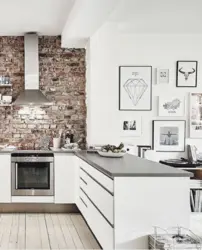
(177, 69)
(130, 66)
(142, 149)
(153, 135)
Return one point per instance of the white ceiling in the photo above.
(159, 16)
(46, 17)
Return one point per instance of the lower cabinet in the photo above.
(5, 178)
(65, 178)
(102, 230)
(95, 202)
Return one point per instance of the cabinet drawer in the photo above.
(82, 204)
(101, 198)
(97, 175)
(99, 226)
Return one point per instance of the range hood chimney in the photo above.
(31, 95)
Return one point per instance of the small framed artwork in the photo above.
(131, 126)
(195, 115)
(171, 105)
(168, 136)
(142, 149)
(162, 76)
(135, 88)
(187, 73)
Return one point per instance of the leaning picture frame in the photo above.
(195, 121)
(142, 149)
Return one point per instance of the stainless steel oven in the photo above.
(32, 174)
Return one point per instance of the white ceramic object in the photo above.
(111, 154)
(7, 99)
(56, 142)
(9, 148)
(69, 149)
(55, 149)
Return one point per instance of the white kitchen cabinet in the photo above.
(65, 178)
(5, 178)
(95, 202)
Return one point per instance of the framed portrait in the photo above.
(131, 126)
(171, 105)
(135, 88)
(187, 73)
(142, 149)
(168, 136)
(195, 115)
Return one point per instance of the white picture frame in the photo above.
(195, 121)
(168, 135)
(131, 126)
(171, 106)
(135, 88)
(163, 76)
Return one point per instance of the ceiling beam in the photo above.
(86, 17)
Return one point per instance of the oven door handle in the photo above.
(16, 176)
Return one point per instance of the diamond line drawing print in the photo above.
(135, 88)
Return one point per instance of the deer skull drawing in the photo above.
(186, 74)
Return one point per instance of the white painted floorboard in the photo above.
(45, 231)
(55, 231)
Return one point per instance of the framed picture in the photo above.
(131, 126)
(187, 73)
(168, 136)
(195, 115)
(142, 149)
(162, 76)
(171, 105)
(135, 88)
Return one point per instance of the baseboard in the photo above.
(37, 208)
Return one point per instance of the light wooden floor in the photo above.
(55, 231)
(45, 231)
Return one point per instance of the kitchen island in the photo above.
(121, 199)
(143, 193)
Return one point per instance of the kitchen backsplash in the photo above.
(62, 80)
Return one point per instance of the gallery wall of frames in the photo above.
(135, 79)
(135, 94)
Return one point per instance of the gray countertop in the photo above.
(130, 166)
(36, 151)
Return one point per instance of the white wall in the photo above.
(107, 50)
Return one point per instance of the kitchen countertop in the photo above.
(35, 151)
(127, 166)
(130, 166)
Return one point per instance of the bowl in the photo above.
(111, 154)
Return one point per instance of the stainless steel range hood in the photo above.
(31, 95)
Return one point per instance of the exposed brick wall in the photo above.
(62, 80)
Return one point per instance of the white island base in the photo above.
(140, 203)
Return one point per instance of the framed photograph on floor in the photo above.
(135, 88)
(168, 136)
(131, 126)
(187, 73)
(142, 149)
(171, 105)
(195, 115)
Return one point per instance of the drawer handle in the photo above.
(83, 201)
(84, 181)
